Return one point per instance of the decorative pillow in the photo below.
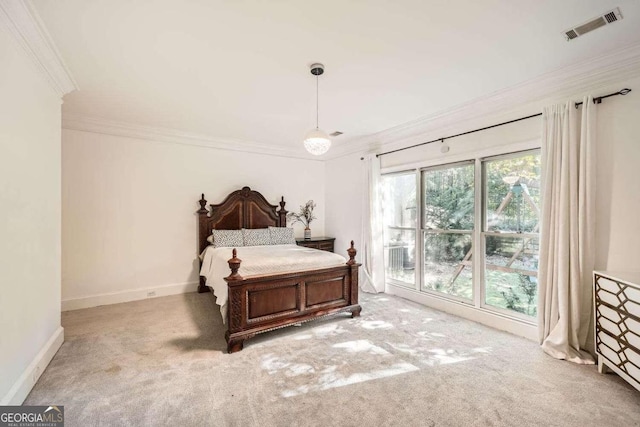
(227, 238)
(256, 237)
(282, 236)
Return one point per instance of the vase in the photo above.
(307, 233)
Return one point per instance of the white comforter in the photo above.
(257, 260)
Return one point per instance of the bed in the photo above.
(282, 291)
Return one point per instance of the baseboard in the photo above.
(493, 320)
(130, 295)
(21, 388)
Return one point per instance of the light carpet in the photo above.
(162, 361)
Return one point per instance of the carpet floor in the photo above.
(162, 361)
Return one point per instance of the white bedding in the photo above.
(257, 260)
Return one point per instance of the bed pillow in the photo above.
(210, 239)
(227, 238)
(282, 236)
(256, 237)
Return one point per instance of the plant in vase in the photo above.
(305, 216)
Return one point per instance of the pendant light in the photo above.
(317, 141)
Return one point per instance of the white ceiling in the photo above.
(239, 69)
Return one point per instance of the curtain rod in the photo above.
(596, 100)
(459, 134)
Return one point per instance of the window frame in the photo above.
(478, 234)
(423, 231)
(418, 267)
(483, 233)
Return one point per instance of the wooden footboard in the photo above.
(263, 303)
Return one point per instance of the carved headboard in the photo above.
(241, 209)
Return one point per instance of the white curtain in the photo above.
(372, 244)
(567, 243)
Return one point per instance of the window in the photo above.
(478, 223)
(510, 232)
(400, 219)
(448, 210)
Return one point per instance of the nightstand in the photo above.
(322, 243)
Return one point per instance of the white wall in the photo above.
(512, 137)
(129, 222)
(617, 177)
(30, 218)
(618, 182)
(345, 185)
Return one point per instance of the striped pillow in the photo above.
(256, 237)
(227, 238)
(282, 236)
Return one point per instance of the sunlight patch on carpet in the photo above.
(302, 337)
(333, 380)
(273, 364)
(430, 336)
(343, 364)
(375, 324)
(359, 346)
(440, 356)
(328, 330)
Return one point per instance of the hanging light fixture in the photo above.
(317, 141)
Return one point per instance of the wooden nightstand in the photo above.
(322, 243)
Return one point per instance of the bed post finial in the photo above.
(203, 203)
(282, 213)
(352, 254)
(234, 265)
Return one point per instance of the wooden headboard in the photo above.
(244, 208)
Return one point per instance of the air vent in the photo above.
(571, 34)
(336, 133)
(591, 25)
(611, 16)
(607, 18)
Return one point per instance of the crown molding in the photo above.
(23, 22)
(556, 85)
(561, 83)
(174, 136)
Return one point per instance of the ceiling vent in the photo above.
(607, 18)
(336, 133)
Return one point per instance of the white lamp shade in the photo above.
(317, 142)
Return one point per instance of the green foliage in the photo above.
(449, 205)
(518, 215)
(512, 300)
(512, 291)
(512, 200)
(530, 289)
(449, 197)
